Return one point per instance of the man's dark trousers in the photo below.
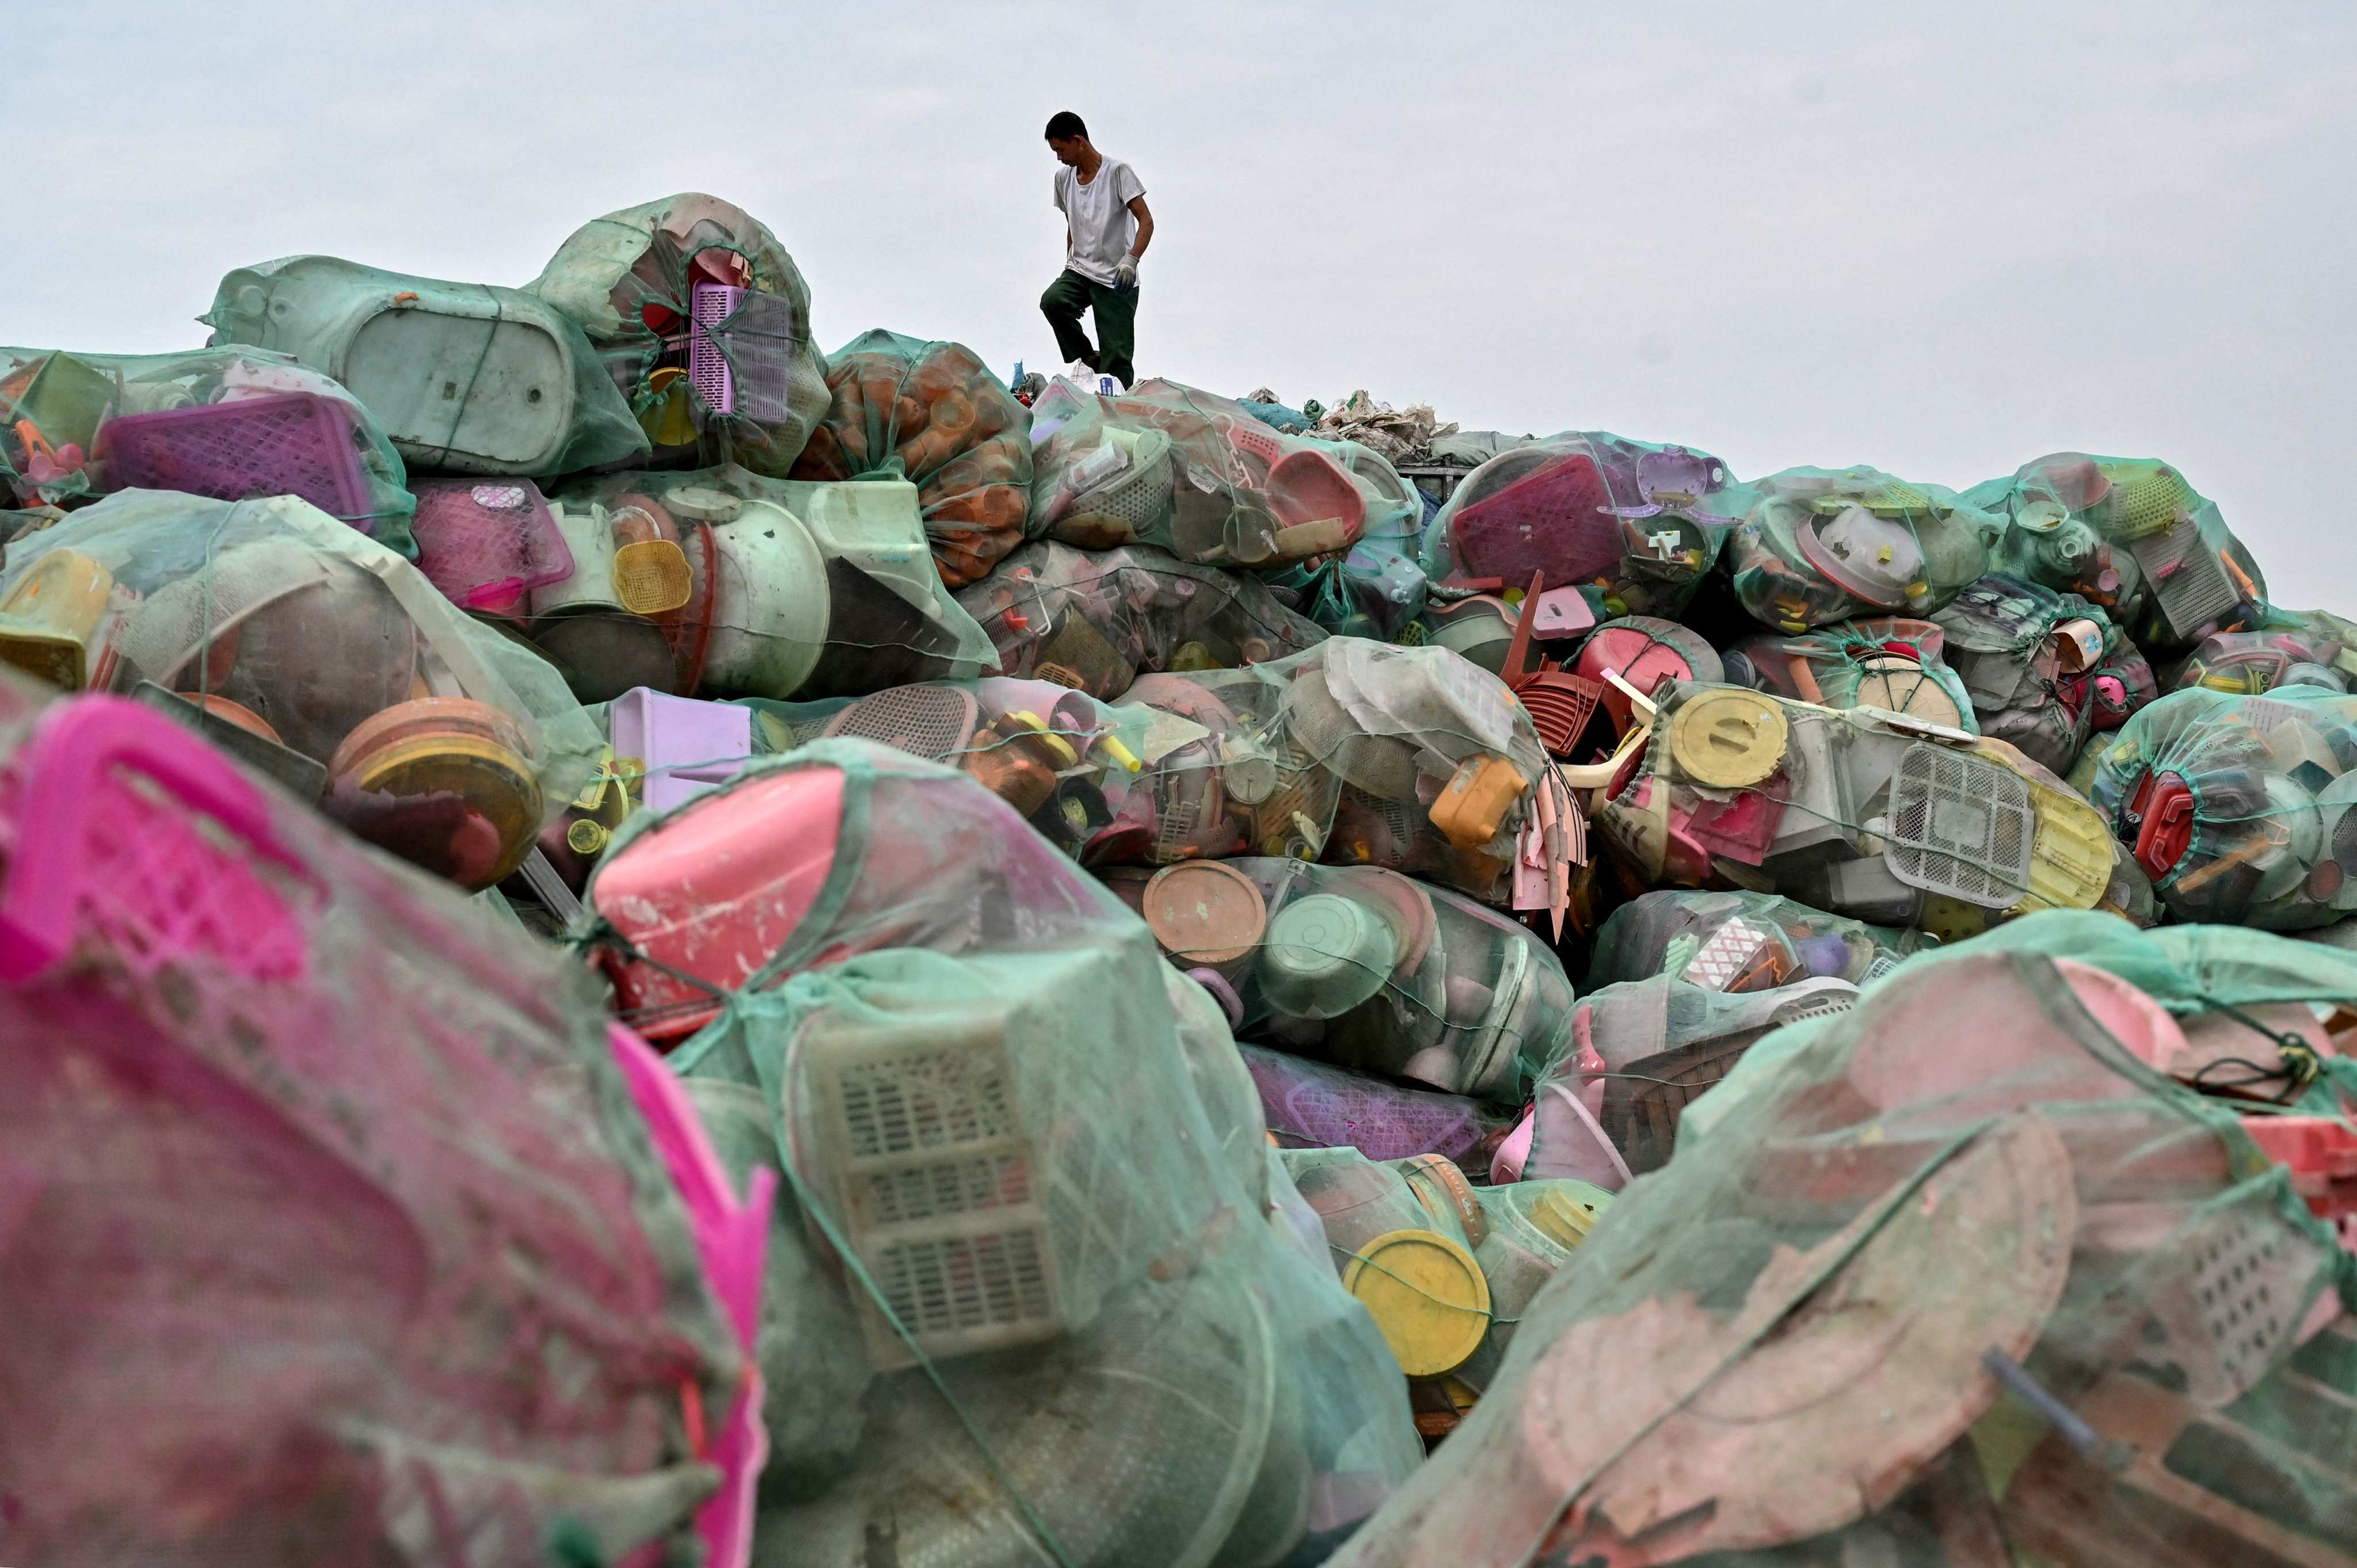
(1070, 295)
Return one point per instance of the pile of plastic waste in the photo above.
(627, 943)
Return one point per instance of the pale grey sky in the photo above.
(1940, 241)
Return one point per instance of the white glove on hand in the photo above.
(1125, 273)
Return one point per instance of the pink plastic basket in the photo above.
(131, 833)
(708, 367)
(288, 444)
(487, 542)
(1554, 521)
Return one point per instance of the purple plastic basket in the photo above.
(287, 444)
(487, 542)
(712, 305)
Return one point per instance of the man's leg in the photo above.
(1117, 311)
(1062, 305)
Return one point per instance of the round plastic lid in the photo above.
(1567, 1210)
(1899, 685)
(1205, 912)
(1869, 557)
(701, 504)
(1325, 954)
(1729, 738)
(1427, 1295)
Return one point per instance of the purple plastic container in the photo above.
(487, 542)
(686, 747)
(287, 444)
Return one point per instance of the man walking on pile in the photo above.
(1106, 230)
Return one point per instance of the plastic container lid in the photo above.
(1566, 1211)
(1205, 912)
(1427, 1295)
(1729, 738)
(1324, 955)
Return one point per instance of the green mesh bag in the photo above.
(2132, 535)
(1027, 1182)
(1196, 474)
(1885, 662)
(703, 320)
(2288, 652)
(1737, 942)
(1643, 524)
(225, 423)
(316, 653)
(2031, 1302)
(2045, 669)
(933, 414)
(2238, 807)
(464, 377)
(1818, 545)
(1097, 619)
(1366, 969)
(1874, 815)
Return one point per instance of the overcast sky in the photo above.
(1798, 233)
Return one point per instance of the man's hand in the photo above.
(1125, 273)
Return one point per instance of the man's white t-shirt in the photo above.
(1098, 211)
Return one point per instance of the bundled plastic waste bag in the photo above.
(2252, 663)
(1255, 760)
(1095, 620)
(933, 414)
(1818, 545)
(721, 582)
(340, 1229)
(464, 377)
(1643, 522)
(1307, 1104)
(1909, 1303)
(1190, 472)
(2130, 534)
(1885, 662)
(1378, 587)
(1366, 970)
(1739, 942)
(1104, 1353)
(703, 321)
(2044, 670)
(1607, 1106)
(321, 656)
(226, 422)
(1065, 762)
(1863, 813)
(2238, 807)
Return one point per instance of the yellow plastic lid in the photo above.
(1566, 1211)
(1728, 738)
(652, 576)
(1427, 1295)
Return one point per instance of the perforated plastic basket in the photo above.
(707, 365)
(936, 1179)
(487, 542)
(289, 444)
(1960, 826)
(1556, 521)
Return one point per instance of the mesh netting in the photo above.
(2130, 534)
(1642, 522)
(334, 1233)
(2238, 807)
(1311, 1105)
(1088, 1333)
(1196, 474)
(1818, 545)
(933, 414)
(2045, 669)
(1885, 662)
(703, 321)
(1095, 620)
(349, 676)
(225, 423)
(721, 583)
(467, 378)
(1740, 941)
(2252, 663)
(2031, 1302)
(1864, 813)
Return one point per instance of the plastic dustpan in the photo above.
(1309, 487)
(1556, 519)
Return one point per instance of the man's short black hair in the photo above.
(1063, 126)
